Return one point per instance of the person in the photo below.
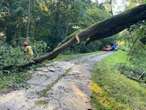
(114, 46)
(28, 49)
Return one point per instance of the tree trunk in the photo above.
(97, 31)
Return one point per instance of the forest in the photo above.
(72, 54)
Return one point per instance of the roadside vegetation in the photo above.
(114, 91)
(118, 81)
(45, 24)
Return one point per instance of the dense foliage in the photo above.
(46, 21)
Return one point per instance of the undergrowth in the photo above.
(13, 79)
(113, 90)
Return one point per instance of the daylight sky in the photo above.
(118, 5)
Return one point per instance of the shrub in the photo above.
(15, 55)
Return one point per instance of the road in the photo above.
(60, 85)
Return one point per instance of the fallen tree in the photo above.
(97, 31)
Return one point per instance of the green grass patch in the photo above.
(41, 102)
(114, 91)
(117, 58)
(75, 56)
(13, 80)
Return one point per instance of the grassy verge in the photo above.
(74, 56)
(114, 91)
(13, 80)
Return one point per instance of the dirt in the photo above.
(60, 85)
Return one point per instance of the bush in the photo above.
(15, 55)
(39, 47)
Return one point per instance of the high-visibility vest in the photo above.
(28, 51)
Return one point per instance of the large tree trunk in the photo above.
(97, 31)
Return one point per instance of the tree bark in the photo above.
(97, 31)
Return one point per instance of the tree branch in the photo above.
(97, 31)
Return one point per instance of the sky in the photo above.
(118, 5)
(99, 1)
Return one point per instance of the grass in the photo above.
(74, 56)
(41, 103)
(114, 91)
(13, 80)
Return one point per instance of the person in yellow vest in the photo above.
(28, 50)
